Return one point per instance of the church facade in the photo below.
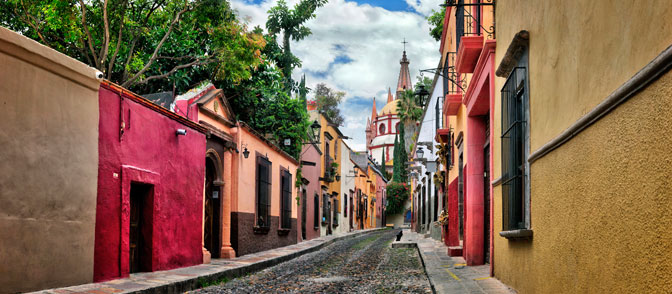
(383, 126)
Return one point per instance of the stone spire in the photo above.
(389, 95)
(374, 112)
(404, 75)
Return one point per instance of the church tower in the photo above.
(383, 126)
(404, 82)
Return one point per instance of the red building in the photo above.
(150, 187)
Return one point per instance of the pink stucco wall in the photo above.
(149, 152)
(312, 174)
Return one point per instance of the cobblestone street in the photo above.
(365, 264)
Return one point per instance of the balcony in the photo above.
(469, 32)
(452, 85)
(467, 54)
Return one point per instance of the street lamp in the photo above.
(419, 154)
(421, 92)
(315, 128)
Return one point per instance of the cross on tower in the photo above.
(404, 42)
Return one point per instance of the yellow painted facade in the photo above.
(599, 203)
(330, 142)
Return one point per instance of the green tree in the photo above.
(290, 22)
(435, 21)
(145, 45)
(408, 109)
(303, 91)
(386, 175)
(403, 156)
(328, 101)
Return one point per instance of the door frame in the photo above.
(131, 174)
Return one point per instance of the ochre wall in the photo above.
(580, 51)
(600, 207)
(600, 202)
(49, 166)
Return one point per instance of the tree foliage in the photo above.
(435, 21)
(327, 103)
(290, 22)
(145, 45)
(407, 107)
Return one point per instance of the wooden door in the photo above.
(140, 231)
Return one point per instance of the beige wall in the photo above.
(600, 202)
(49, 166)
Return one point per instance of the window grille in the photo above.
(263, 192)
(335, 221)
(286, 219)
(513, 149)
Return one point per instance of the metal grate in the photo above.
(513, 151)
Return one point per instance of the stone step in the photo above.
(455, 251)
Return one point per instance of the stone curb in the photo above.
(195, 282)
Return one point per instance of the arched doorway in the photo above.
(211, 235)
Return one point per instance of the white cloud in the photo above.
(370, 37)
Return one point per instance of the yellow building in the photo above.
(330, 177)
(467, 69)
(581, 157)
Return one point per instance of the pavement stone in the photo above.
(450, 274)
(189, 278)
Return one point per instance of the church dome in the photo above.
(390, 108)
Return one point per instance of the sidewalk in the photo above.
(193, 277)
(450, 274)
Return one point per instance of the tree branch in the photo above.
(106, 41)
(136, 36)
(131, 81)
(176, 68)
(88, 33)
(116, 50)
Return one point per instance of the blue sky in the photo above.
(355, 47)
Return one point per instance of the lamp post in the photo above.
(421, 93)
(420, 153)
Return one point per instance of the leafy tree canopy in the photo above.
(144, 45)
(327, 103)
(436, 24)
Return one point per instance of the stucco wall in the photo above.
(243, 210)
(600, 207)
(312, 174)
(49, 164)
(347, 184)
(149, 152)
(580, 51)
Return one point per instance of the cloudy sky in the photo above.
(356, 47)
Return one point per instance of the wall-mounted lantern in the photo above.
(246, 153)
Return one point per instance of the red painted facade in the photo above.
(148, 151)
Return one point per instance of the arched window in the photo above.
(381, 130)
